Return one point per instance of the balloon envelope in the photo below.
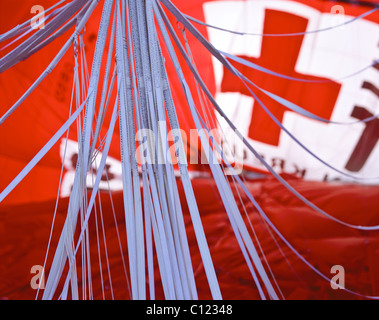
(27, 213)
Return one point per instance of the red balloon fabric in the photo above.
(25, 230)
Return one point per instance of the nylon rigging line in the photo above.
(284, 34)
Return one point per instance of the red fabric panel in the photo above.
(25, 231)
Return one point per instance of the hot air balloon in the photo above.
(189, 150)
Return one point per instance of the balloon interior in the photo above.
(201, 149)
